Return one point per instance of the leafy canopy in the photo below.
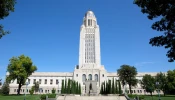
(20, 68)
(148, 83)
(6, 6)
(164, 12)
(127, 75)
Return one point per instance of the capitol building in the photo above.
(89, 68)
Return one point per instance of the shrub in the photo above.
(43, 97)
(31, 91)
(53, 90)
(141, 97)
(5, 89)
(51, 95)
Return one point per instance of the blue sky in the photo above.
(48, 32)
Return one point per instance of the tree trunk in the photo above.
(151, 95)
(130, 89)
(19, 88)
(163, 93)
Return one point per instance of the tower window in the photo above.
(88, 22)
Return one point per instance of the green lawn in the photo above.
(20, 97)
(162, 98)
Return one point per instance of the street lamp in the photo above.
(157, 83)
(26, 90)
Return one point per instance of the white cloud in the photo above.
(141, 64)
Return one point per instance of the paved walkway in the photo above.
(91, 98)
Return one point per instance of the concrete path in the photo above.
(91, 98)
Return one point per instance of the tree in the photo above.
(120, 90)
(65, 87)
(6, 6)
(68, 87)
(104, 88)
(109, 87)
(163, 82)
(171, 81)
(148, 83)
(53, 90)
(113, 87)
(127, 74)
(5, 89)
(164, 12)
(62, 87)
(116, 87)
(0, 82)
(20, 68)
(36, 86)
(79, 89)
(31, 91)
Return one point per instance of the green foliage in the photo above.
(68, 87)
(20, 68)
(5, 89)
(163, 11)
(101, 89)
(171, 81)
(53, 91)
(127, 75)
(62, 87)
(0, 82)
(65, 87)
(120, 89)
(113, 87)
(43, 97)
(116, 87)
(6, 7)
(77, 91)
(51, 95)
(36, 86)
(31, 91)
(109, 87)
(163, 82)
(79, 88)
(149, 83)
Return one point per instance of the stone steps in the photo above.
(91, 98)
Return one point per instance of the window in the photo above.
(45, 82)
(51, 81)
(88, 22)
(57, 81)
(39, 81)
(102, 75)
(77, 75)
(28, 81)
(34, 80)
(84, 77)
(96, 77)
(14, 90)
(90, 77)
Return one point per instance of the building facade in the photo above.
(89, 67)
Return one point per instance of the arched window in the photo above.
(84, 77)
(96, 77)
(90, 77)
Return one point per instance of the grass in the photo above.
(20, 97)
(168, 97)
